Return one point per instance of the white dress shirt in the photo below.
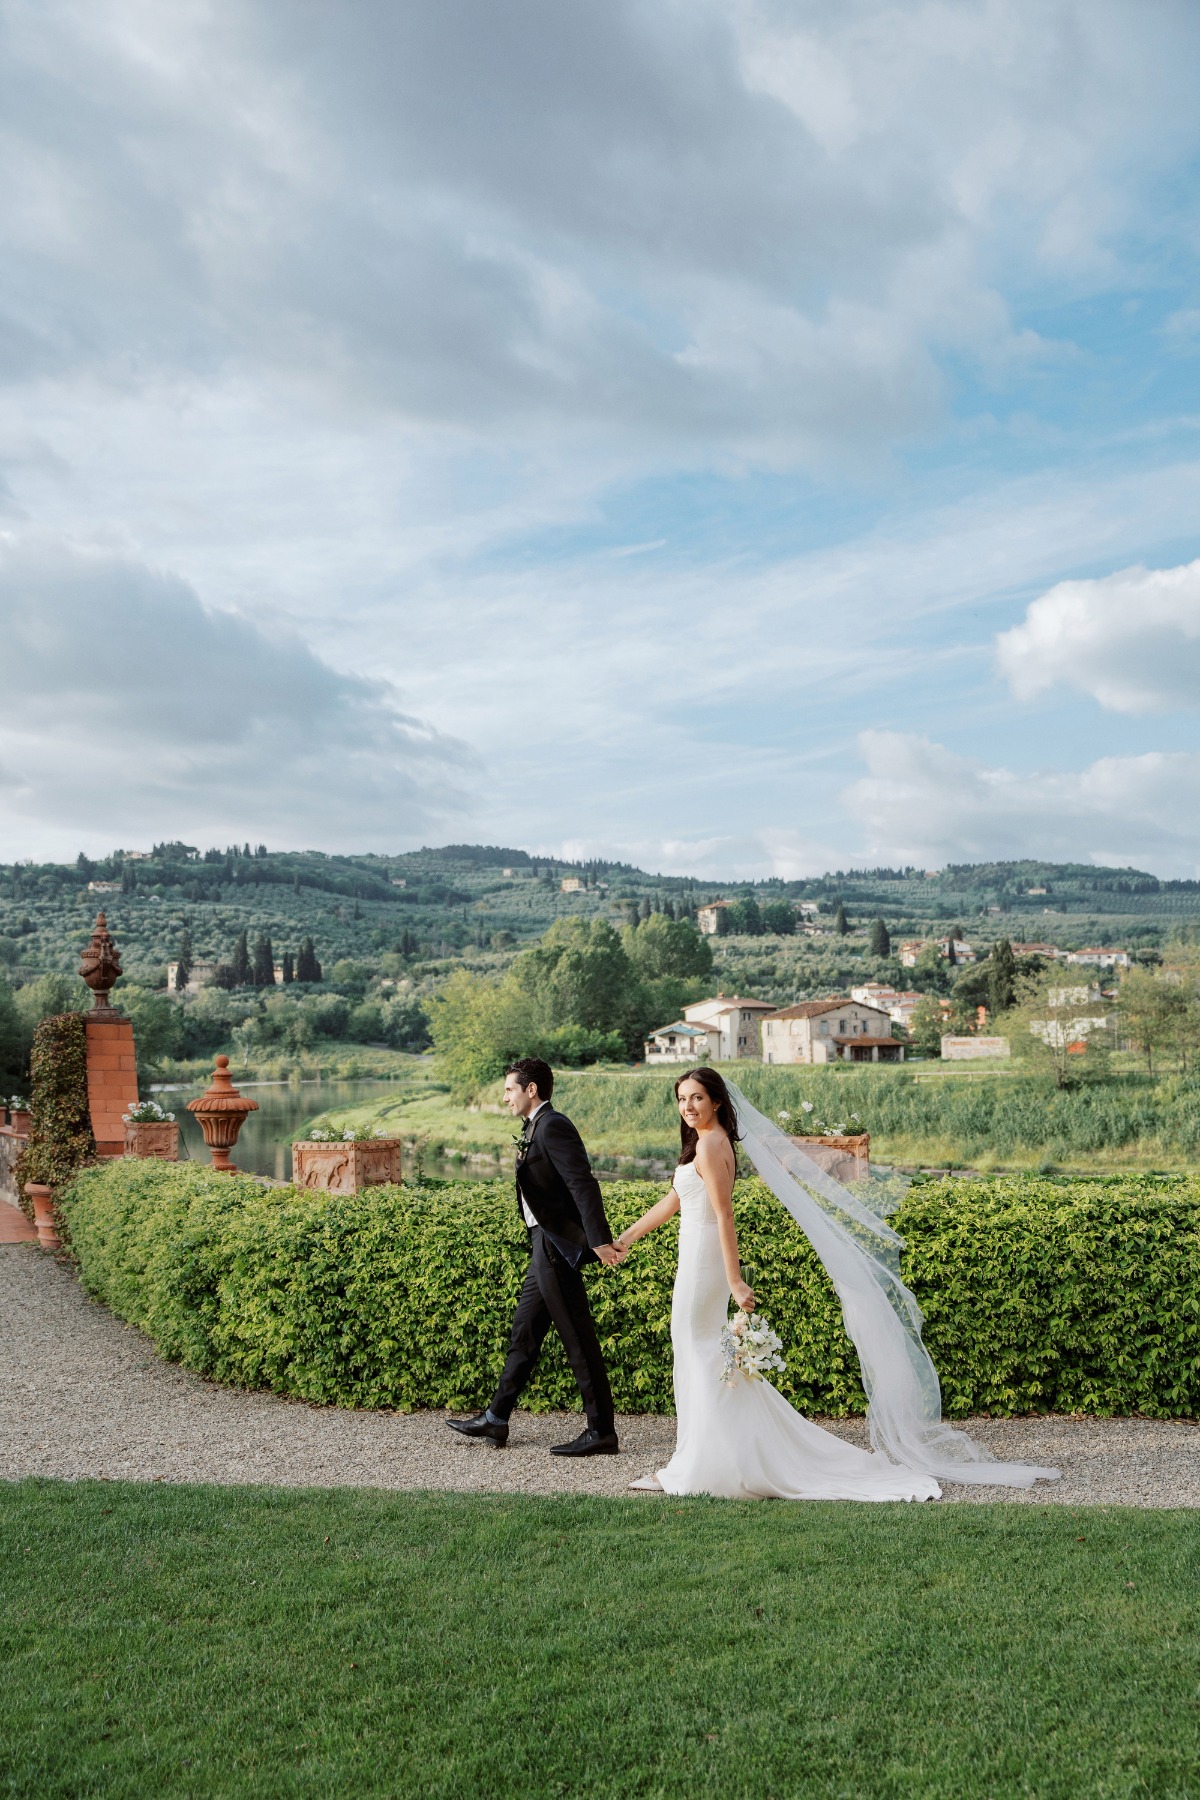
(529, 1218)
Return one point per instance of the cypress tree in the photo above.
(1002, 976)
(307, 966)
(240, 963)
(264, 962)
(184, 970)
(841, 923)
(289, 968)
(881, 943)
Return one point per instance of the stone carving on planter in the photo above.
(100, 966)
(158, 1137)
(221, 1111)
(345, 1166)
(846, 1158)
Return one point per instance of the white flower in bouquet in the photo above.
(806, 1106)
(749, 1348)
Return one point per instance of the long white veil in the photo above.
(861, 1255)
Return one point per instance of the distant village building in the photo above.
(899, 1004)
(825, 1031)
(679, 1043)
(1098, 958)
(399, 881)
(910, 952)
(969, 1049)
(732, 1025)
(571, 884)
(711, 919)
(1050, 951)
(1037, 890)
(201, 974)
(104, 887)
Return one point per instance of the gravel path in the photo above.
(84, 1395)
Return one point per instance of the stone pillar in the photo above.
(111, 1079)
(111, 1062)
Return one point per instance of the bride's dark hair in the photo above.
(718, 1093)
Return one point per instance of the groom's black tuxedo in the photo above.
(556, 1180)
(555, 1177)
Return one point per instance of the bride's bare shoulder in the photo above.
(714, 1154)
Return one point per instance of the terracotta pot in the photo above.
(20, 1121)
(345, 1167)
(153, 1137)
(43, 1214)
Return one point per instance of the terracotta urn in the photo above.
(153, 1137)
(345, 1167)
(43, 1214)
(221, 1111)
(100, 966)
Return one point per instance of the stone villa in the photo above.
(825, 1031)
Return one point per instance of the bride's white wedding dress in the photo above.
(744, 1441)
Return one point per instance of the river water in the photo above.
(264, 1145)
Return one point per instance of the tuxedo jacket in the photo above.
(554, 1175)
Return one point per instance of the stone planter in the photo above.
(43, 1214)
(153, 1137)
(845, 1158)
(345, 1167)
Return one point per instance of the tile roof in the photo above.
(809, 1009)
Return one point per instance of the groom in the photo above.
(560, 1202)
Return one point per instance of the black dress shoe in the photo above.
(494, 1430)
(589, 1443)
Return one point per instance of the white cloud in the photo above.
(1131, 640)
(131, 711)
(922, 803)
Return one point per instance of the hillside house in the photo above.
(679, 1043)
(899, 1004)
(711, 920)
(1096, 958)
(733, 1025)
(201, 974)
(1050, 951)
(825, 1031)
(910, 952)
(571, 884)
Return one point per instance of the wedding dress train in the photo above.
(744, 1441)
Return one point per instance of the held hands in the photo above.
(611, 1255)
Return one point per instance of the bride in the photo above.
(744, 1440)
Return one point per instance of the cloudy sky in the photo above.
(740, 436)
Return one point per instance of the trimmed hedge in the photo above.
(1040, 1295)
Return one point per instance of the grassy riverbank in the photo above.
(198, 1641)
(927, 1114)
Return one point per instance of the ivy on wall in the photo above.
(1039, 1295)
(60, 1126)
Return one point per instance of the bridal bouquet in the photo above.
(750, 1347)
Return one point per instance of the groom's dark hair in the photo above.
(531, 1071)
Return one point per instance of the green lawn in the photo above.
(202, 1641)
